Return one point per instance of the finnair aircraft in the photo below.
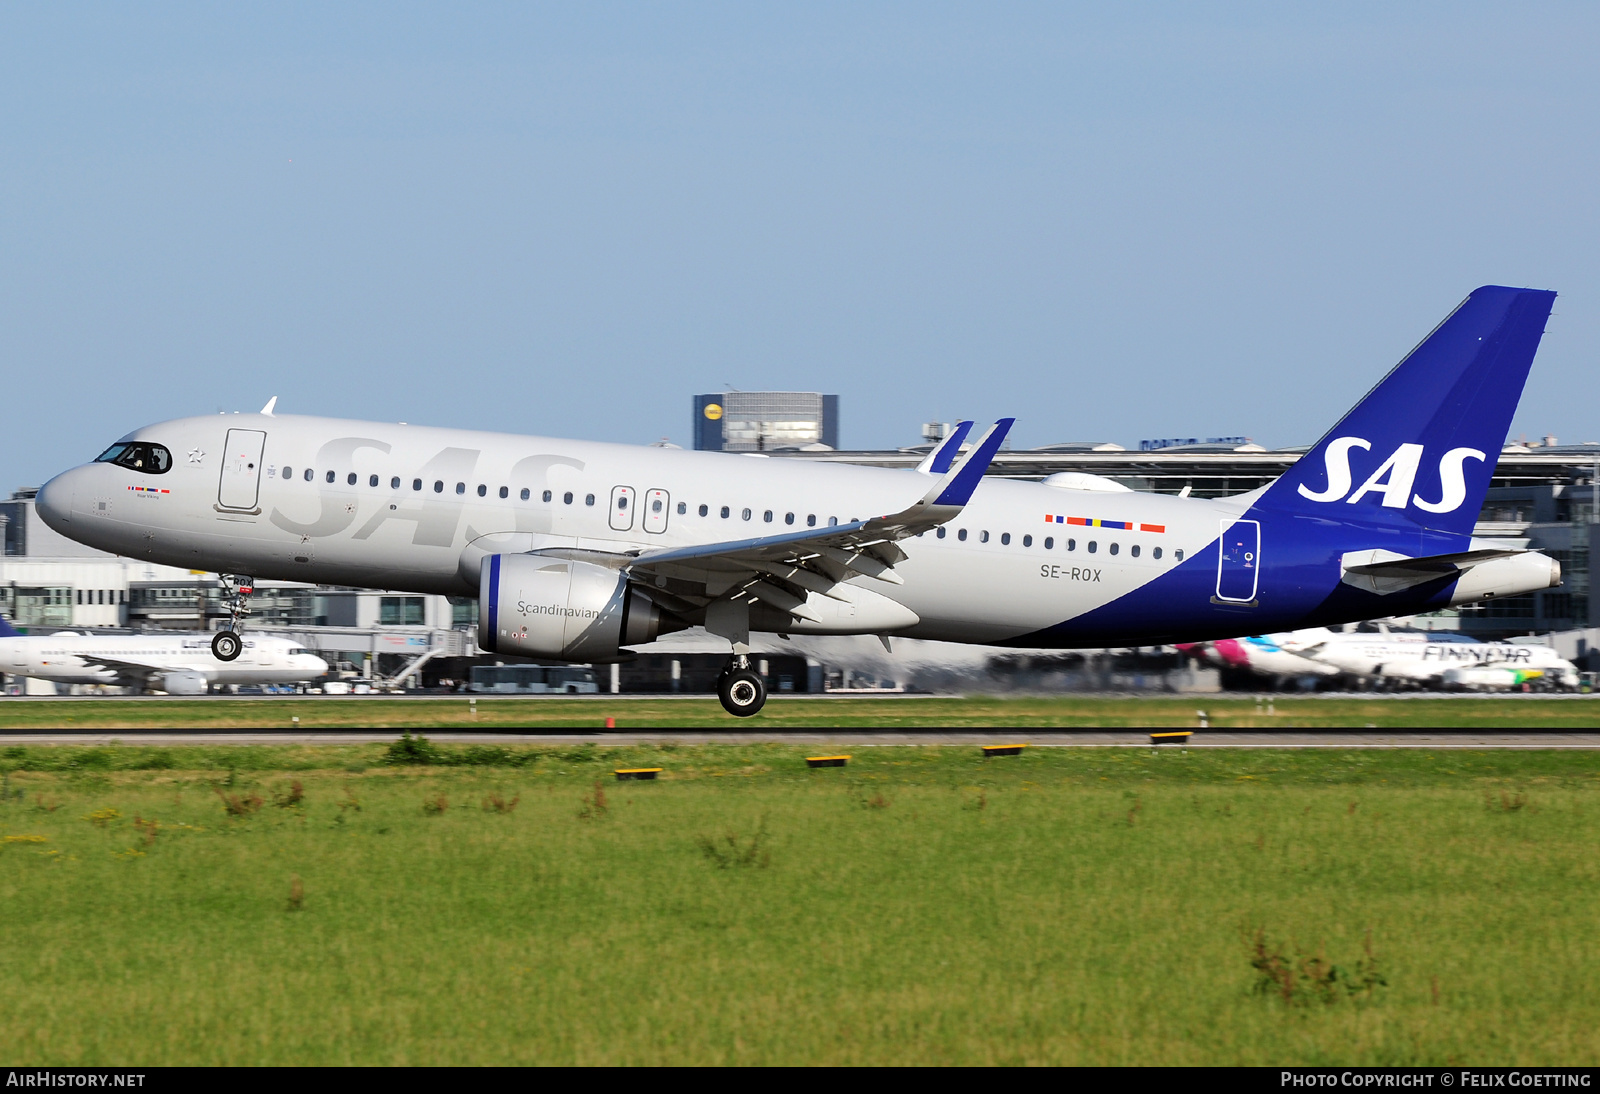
(178, 664)
(578, 550)
(1395, 657)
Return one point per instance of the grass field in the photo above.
(517, 905)
(1503, 713)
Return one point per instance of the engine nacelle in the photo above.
(184, 682)
(556, 608)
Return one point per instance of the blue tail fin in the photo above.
(7, 630)
(1420, 449)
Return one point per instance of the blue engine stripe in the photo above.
(494, 602)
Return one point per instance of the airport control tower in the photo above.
(766, 421)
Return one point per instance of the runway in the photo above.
(1464, 739)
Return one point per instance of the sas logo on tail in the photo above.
(1394, 479)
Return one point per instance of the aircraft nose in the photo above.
(54, 502)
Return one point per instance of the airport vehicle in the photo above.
(1394, 658)
(578, 551)
(178, 664)
(533, 680)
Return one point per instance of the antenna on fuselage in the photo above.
(272, 402)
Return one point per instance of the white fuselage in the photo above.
(140, 660)
(1418, 659)
(399, 506)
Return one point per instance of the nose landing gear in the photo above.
(226, 644)
(741, 691)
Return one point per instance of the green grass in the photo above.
(919, 906)
(1504, 713)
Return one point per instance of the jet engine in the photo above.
(183, 682)
(562, 609)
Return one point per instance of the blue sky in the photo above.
(1113, 221)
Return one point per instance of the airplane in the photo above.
(1394, 657)
(178, 664)
(581, 551)
(1425, 660)
(1261, 653)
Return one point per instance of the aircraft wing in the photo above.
(139, 671)
(780, 570)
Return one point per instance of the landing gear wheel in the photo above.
(225, 645)
(742, 693)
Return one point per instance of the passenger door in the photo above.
(621, 508)
(1239, 561)
(656, 508)
(240, 484)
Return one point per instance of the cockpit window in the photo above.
(152, 459)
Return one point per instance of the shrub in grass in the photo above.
(411, 751)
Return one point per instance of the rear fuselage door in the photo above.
(621, 508)
(656, 503)
(1239, 561)
(240, 484)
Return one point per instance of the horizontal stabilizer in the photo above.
(1385, 572)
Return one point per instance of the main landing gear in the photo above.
(226, 644)
(742, 692)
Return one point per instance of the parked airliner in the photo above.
(579, 550)
(1400, 657)
(178, 664)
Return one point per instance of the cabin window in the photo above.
(329, 476)
(704, 509)
(622, 501)
(1178, 554)
(438, 486)
(483, 491)
(962, 535)
(372, 480)
(940, 532)
(308, 475)
(288, 472)
(1005, 539)
(1134, 550)
(1072, 545)
(655, 505)
(833, 522)
(588, 499)
(1049, 543)
(505, 492)
(788, 518)
(725, 512)
(526, 494)
(1115, 547)
(811, 520)
(394, 483)
(1027, 541)
(1155, 552)
(983, 537)
(416, 484)
(1093, 546)
(683, 507)
(744, 514)
(547, 495)
(350, 479)
(767, 516)
(566, 499)
(461, 488)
